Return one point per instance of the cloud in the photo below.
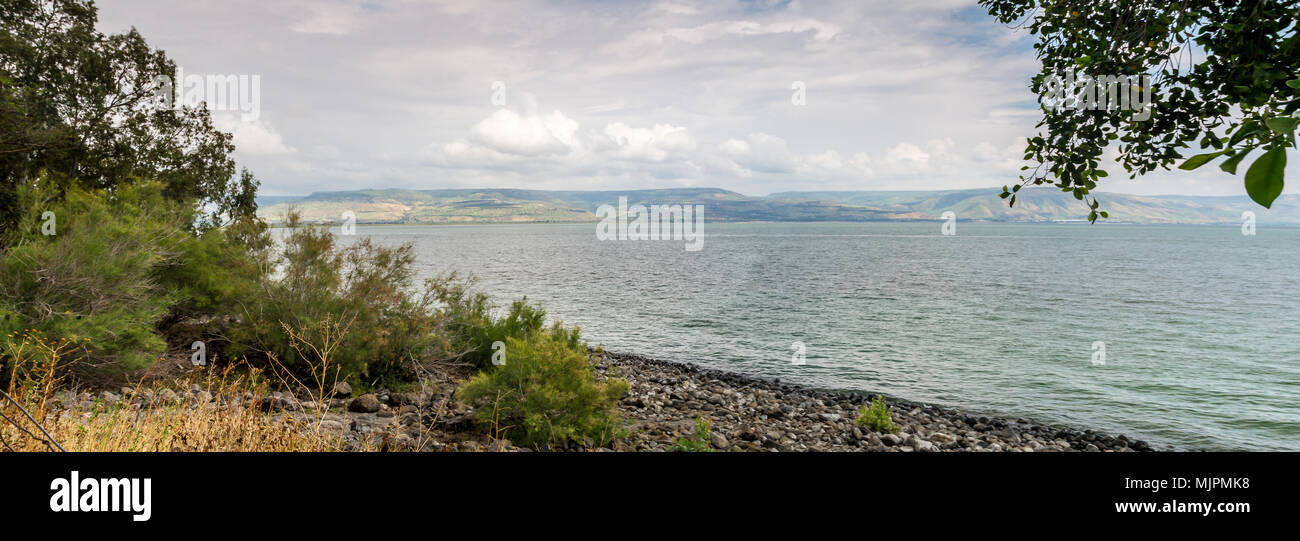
(398, 93)
(655, 144)
(526, 135)
(252, 138)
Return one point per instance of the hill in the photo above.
(512, 205)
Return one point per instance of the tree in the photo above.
(83, 106)
(1240, 97)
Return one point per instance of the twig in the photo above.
(49, 438)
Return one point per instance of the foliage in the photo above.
(1241, 97)
(96, 278)
(472, 329)
(699, 443)
(546, 392)
(83, 106)
(877, 417)
(361, 291)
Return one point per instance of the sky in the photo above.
(754, 96)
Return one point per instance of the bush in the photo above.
(94, 281)
(700, 443)
(877, 417)
(357, 298)
(546, 392)
(472, 329)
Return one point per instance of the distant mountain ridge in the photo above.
(472, 205)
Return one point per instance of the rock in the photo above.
(890, 440)
(458, 423)
(366, 403)
(940, 437)
(403, 399)
(342, 389)
(330, 425)
(718, 440)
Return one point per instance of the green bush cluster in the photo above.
(700, 442)
(877, 417)
(113, 268)
(123, 267)
(546, 392)
(473, 329)
(351, 310)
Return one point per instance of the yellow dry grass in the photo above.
(228, 421)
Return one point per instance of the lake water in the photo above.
(1200, 325)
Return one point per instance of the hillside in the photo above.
(511, 205)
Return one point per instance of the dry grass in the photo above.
(227, 421)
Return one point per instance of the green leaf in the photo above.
(1293, 83)
(1247, 128)
(1284, 125)
(1264, 178)
(1199, 160)
(1230, 165)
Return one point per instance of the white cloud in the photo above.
(526, 135)
(252, 138)
(397, 93)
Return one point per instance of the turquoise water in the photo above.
(1200, 324)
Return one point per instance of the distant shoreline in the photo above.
(281, 225)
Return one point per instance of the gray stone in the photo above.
(342, 389)
(366, 403)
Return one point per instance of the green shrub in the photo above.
(699, 443)
(218, 270)
(877, 417)
(359, 299)
(546, 392)
(472, 329)
(95, 281)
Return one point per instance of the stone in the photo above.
(366, 403)
(330, 425)
(718, 440)
(403, 399)
(342, 389)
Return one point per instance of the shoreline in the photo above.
(663, 402)
(756, 414)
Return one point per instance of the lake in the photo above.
(1181, 335)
